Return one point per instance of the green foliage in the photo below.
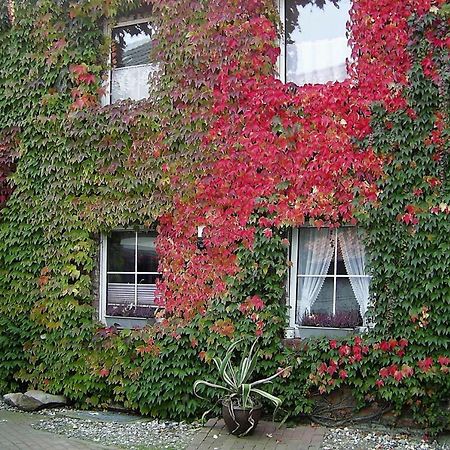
(83, 172)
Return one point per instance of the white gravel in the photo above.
(136, 435)
(128, 432)
(357, 439)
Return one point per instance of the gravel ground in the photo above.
(134, 434)
(357, 439)
(140, 433)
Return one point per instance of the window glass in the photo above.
(332, 284)
(132, 273)
(147, 256)
(316, 42)
(121, 251)
(131, 45)
(130, 60)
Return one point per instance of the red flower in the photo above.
(357, 340)
(403, 343)
(333, 343)
(400, 352)
(343, 374)
(267, 232)
(384, 372)
(379, 383)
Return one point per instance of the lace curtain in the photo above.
(316, 252)
(355, 260)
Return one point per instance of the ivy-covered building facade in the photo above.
(176, 175)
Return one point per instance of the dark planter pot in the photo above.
(244, 421)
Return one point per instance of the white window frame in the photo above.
(294, 276)
(104, 278)
(106, 97)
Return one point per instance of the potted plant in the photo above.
(241, 410)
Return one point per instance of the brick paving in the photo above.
(16, 433)
(215, 436)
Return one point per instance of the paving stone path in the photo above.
(16, 433)
(214, 436)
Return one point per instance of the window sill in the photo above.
(128, 322)
(305, 332)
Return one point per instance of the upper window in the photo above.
(316, 46)
(329, 283)
(130, 272)
(131, 65)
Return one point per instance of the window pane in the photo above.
(121, 251)
(340, 269)
(146, 289)
(121, 290)
(324, 301)
(345, 297)
(316, 251)
(130, 83)
(316, 42)
(347, 307)
(131, 45)
(147, 256)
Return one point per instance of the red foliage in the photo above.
(283, 149)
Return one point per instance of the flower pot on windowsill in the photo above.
(240, 421)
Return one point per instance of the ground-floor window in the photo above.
(329, 285)
(129, 274)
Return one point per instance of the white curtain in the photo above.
(317, 61)
(315, 255)
(355, 263)
(131, 82)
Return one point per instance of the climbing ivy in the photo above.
(221, 142)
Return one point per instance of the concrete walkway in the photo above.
(215, 436)
(16, 433)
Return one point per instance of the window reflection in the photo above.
(131, 45)
(316, 42)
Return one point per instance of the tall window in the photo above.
(130, 271)
(329, 283)
(130, 61)
(316, 46)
